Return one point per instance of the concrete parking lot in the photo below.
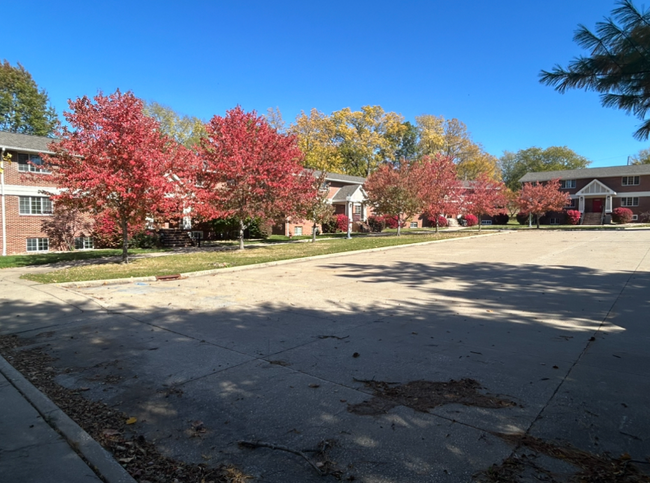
(553, 326)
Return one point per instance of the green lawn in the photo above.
(209, 260)
(12, 261)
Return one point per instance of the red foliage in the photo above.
(342, 222)
(541, 198)
(471, 220)
(485, 197)
(376, 223)
(391, 222)
(394, 192)
(250, 171)
(442, 221)
(622, 215)
(107, 232)
(440, 192)
(115, 158)
(573, 217)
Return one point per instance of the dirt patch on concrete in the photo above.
(425, 395)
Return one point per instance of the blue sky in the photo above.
(475, 60)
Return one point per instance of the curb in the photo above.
(97, 458)
(204, 273)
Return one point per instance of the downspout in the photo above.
(2, 190)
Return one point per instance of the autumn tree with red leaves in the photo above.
(113, 158)
(393, 191)
(540, 198)
(440, 191)
(485, 197)
(250, 171)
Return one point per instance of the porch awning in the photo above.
(596, 188)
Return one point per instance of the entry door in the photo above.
(598, 205)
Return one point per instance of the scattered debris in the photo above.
(356, 354)
(333, 337)
(424, 395)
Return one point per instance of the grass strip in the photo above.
(210, 260)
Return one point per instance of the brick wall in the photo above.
(20, 227)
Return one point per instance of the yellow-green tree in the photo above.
(450, 137)
(367, 138)
(318, 141)
(186, 130)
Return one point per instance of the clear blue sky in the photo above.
(475, 60)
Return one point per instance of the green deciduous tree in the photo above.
(186, 130)
(642, 157)
(24, 108)
(619, 64)
(556, 158)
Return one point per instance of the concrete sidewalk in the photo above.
(554, 322)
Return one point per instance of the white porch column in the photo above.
(581, 204)
(608, 204)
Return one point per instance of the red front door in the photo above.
(597, 206)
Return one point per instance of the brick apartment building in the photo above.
(596, 192)
(24, 206)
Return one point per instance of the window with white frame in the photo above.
(35, 205)
(414, 224)
(630, 180)
(567, 183)
(30, 163)
(357, 208)
(486, 222)
(38, 244)
(83, 243)
(631, 201)
(554, 221)
(297, 230)
(635, 217)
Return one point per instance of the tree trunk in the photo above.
(241, 234)
(436, 224)
(313, 233)
(399, 224)
(537, 220)
(125, 241)
(479, 222)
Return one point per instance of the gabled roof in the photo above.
(25, 142)
(596, 188)
(345, 191)
(343, 178)
(609, 172)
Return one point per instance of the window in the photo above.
(357, 209)
(554, 221)
(35, 205)
(197, 235)
(571, 203)
(567, 184)
(31, 163)
(630, 201)
(38, 244)
(486, 222)
(635, 217)
(297, 230)
(414, 224)
(630, 180)
(83, 243)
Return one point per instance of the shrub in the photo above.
(442, 221)
(501, 219)
(522, 218)
(391, 221)
(573, 217)
(145, 239)
(622, 215)
(644, 217)
(342, 222)
(376, 223)
(471, 220)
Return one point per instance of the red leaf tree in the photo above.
(541, 198)
(113, 158)
(393, 191)
(250, 171)
(440, 191)
(485, 197)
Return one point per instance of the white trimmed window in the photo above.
(632, 201)
(30, 163)
(35, 205)
(486, 222)
(38, 244)
(630, 180)
(297, 230)
(567, 183)
(414, 224)
(635, 217)
(554, 221)
(83, 243)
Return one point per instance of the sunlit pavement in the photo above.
(555, 322)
